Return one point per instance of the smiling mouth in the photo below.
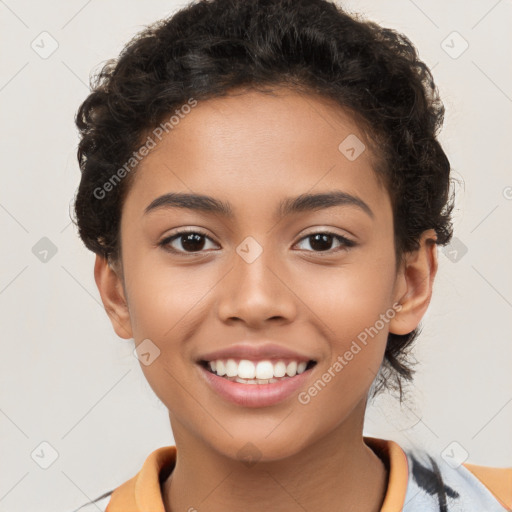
(245, 371)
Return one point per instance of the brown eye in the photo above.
(322, 241)
(187, 242)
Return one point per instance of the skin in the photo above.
(252, 150)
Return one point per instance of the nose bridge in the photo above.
(254, 292)
(255, 265)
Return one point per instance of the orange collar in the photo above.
(142, 492)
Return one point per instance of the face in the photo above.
(259, 281)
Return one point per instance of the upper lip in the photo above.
(255, 351)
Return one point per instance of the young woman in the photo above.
(265, 194)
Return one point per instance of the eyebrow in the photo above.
(290, 205)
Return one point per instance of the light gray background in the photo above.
(67, 380)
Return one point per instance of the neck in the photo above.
(338, 472)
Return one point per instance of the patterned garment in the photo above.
(435, 486)
(418, 482)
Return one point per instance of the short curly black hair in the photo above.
(212, 47)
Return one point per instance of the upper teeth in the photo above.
(246, 369)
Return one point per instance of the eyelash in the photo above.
(347, 243)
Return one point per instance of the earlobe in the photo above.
(113, 297)
(416, 283)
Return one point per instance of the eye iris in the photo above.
(192, 241)
(319, 239)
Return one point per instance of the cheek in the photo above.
(164, 298)
(358, 319)
(358, 305)
(350, 297)
(353, 308)
(167, 305)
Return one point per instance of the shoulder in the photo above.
(497, 480)
(98, 504)
(143, 490)
(440, 482)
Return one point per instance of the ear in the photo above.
(414, 284)
(110, 285)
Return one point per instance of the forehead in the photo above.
(252, 147)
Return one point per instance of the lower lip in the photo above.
(255, 395)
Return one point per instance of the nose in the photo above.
(258, 291)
